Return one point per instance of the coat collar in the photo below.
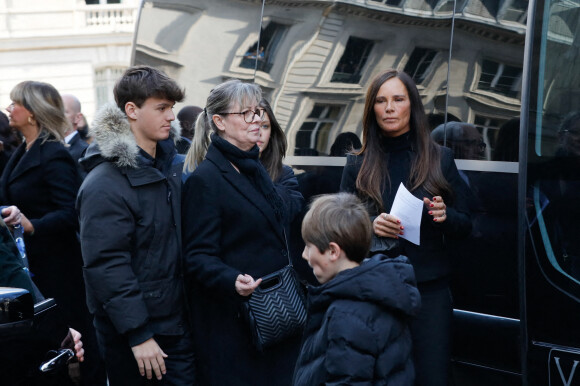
(242, 184)
(22, 160)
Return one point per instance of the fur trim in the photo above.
(112, 132)
(175, 132)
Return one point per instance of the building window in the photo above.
(270, 38)
(419, 63)
(105, 79)
(516, 10)
(447, 6)
(483, 8)
(489, 128)
(93, 2)
(500, 78)
(394, 3)
(353, 60)
(313, 135)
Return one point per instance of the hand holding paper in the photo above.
(408, 209)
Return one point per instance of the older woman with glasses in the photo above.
(233, 235)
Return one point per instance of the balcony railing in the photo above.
(110, 16)
(76, 20)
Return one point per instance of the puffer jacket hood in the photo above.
(114, 140)
(387, 282)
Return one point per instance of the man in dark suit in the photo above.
(77, 147)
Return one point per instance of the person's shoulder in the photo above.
(53, 148)
(205, 174)
(287, 173)
(446, 153)
(103, 176)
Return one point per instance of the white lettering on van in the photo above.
(564, 381)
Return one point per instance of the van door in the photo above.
(550, 197)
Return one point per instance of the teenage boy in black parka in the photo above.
(130, 228)
(357, 330)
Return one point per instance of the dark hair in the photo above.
(425, 167)
(187, 116)
(273, 154)
(140, 83)
(507, 141)
(8, 136)
(340, 218)
(345, 143)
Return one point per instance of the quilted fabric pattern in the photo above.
(276, 310)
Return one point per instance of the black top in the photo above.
(430, 259)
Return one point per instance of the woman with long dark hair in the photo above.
(273, 145)
(397, 148)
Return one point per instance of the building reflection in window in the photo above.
(313, 136)
(419, 63)
(515, 10)
(349, 68)
(500, 78)
(463, 138)
(270, 38)
(394, 3)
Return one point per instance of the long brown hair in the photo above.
(425, 168)
(273, 154)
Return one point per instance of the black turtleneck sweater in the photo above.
(430, 259)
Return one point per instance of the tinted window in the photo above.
(555, 148)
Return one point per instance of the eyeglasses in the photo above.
(249, 115)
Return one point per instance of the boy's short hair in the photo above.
(339, 218)
(139, 83)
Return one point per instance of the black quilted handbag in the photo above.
(276, 310)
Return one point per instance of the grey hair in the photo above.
(220, 100)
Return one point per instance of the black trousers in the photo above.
(431, 332)
(122, 369)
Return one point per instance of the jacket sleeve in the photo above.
(202, 227)
(287, 187)
(458, 222)
(61, 177)
(353, 348)
(107, 229)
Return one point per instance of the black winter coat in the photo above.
(431, 260)
(230, 229)
(130, 229)
(43, 182)
(287, 187)
(357, 329)
(77, 148)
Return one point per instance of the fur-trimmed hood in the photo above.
(113, 139)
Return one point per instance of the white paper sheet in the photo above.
(408, 209)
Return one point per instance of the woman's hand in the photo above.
(12, 215)
(245, 284)
(387, 225)
(27, 226)
(437, 208)
(78, 344)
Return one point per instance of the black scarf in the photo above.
(249, 164)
